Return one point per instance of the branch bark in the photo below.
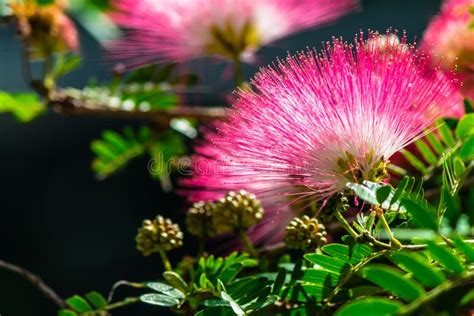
(64, 104)
(36, 281)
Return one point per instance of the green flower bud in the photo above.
(305, 233)
(338, 203)
(199, 219)
(160, 233)
(237, 212)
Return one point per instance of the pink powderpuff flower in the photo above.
(180, 30)
(317, 121)
(450, 40)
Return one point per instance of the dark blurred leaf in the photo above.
(468, 106)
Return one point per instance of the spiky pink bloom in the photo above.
(317, 121)
(179, 30)
(450, 41)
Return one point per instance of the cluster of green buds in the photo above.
(338, 203)
(236, 212)
(305, 233)
(199, 219)
(160, 234)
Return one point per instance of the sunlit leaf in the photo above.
(370, 306)
(393, 281)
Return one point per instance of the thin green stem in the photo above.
(394, 242)
(125, 302)
(345, 224)
(164, 259)
(349, 275)
(444, 287)
(248, 244)
(48, 79)
(238, 74)
(201, 246)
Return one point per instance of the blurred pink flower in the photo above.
(450, 41)
(317, 121)
(179, 30)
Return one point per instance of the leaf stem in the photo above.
(164, 259)
(394, 242)
(125, 302)
(248, 245)
(345, 224)
(349, 275)
(238, 75)
(445, 286)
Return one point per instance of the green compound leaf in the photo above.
(393, 280)
(446, 257)
(166, 289)
(419, 267)
(24, 106)
(465, 127)
(78, 304)
(445, 133)
(159, 299)
(114, 151)
(426, 152)
(465, 248)
(370, 306)
(421, 213)
(176, 281)
(467, 149)
(65, 312)
(96, 299)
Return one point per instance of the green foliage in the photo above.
(442, 145)
(210, 270)
(64, 64)
(92, 304)
(370, 306)
(89, 13)
(415, 279)
(114, 151)
(24, 106)
(332, 269)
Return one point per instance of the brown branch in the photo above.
(36, 281)
(64, 104)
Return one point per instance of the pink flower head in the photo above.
(179, 30)
(450, 41)
(317, 121)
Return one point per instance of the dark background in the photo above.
(77, 233)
